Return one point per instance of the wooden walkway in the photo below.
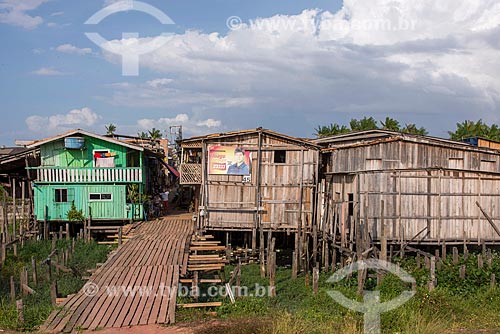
(147, 267)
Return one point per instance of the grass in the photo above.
(38, 307)
(456, 305)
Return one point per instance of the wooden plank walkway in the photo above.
(137, 285)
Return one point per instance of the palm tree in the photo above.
(413, 129)
(366, 123)
(110, 129)
(142, 135)
(391, 124)
(331, 130)
(154, 133)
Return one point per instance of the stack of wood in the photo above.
(205, 266)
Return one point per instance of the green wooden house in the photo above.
(94, 172)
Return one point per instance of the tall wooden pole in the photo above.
(14, 208)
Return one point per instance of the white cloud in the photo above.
(76, 118)
(190, 125)
(57, 14)
(49, 71)
(15, 12)
(422, 62)
(71, 49)
(210, 123)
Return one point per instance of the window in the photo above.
(98, 153)
(351, 204)
(100, 197)
(61, 195)
(279, 157)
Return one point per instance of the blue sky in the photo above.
(292, 66)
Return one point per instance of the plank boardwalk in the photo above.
(137, 285)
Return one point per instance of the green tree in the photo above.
(331, 130)
(110, 129)
(75, 215)
(391, 124)
(469, 128)
(143, 135)
(414, 130)
(366, 123)
(154, 133)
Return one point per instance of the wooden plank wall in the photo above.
(233, 204)
(422, 186)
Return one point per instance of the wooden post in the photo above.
(443, 250)
(60, 232)
(23, 280)
(383, 238)
(6, 216)
(89, 225)
(20, 311)
(270, 249)
(462, 271)
(262, 253)
(272, 277)
(418, 261)
(53, 293)
(480, 261)
(53, 242)
(466, 252)
(315, 280)
(12, 290)
(46, 223)
(67, 231)
(483, 248)
(455, 255)
(489, 257)
(23, 196)
(326, 256)
(432, 283)
(315, 243)
(334, 259)
(437, 259)
(493, 281)
(120, 232)
(294, 265)
(14, 209)
(195, 286)
(4, 253)
(33, 269)
(49, 271)
(238, 279)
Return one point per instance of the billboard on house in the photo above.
(229, 160)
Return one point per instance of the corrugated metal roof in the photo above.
(85, 133)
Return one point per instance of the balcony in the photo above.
(190, 173)
(88, 175)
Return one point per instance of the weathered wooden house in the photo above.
(246, 180)
(409, 189)
(102, 176)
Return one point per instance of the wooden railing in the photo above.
(190, 173)
(88, 175)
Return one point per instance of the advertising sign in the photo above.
(230, 160)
